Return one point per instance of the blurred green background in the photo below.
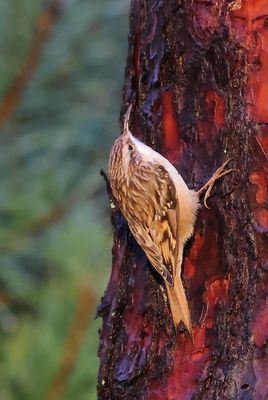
(61, 74)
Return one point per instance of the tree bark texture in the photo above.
(197, 78)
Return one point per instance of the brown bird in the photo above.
(160, 210)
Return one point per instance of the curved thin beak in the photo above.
(126, 120)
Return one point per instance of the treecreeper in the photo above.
(159, 208)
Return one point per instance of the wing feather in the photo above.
(152, 251)
(156, 225)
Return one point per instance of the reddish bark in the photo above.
(196, 75)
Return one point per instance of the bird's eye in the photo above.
(130, 147)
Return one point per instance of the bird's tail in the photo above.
(179, 305)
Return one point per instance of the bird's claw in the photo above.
(217, 175)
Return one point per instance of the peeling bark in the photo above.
(197, 77)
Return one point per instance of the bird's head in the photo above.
(125, 149)
(129, 145)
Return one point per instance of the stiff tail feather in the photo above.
(179, 305)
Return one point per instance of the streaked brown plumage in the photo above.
(159, 208)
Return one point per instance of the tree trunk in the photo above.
(197, 78)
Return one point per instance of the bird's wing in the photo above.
(156, 229)
(152, 251)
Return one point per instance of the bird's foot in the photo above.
(217, 175)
